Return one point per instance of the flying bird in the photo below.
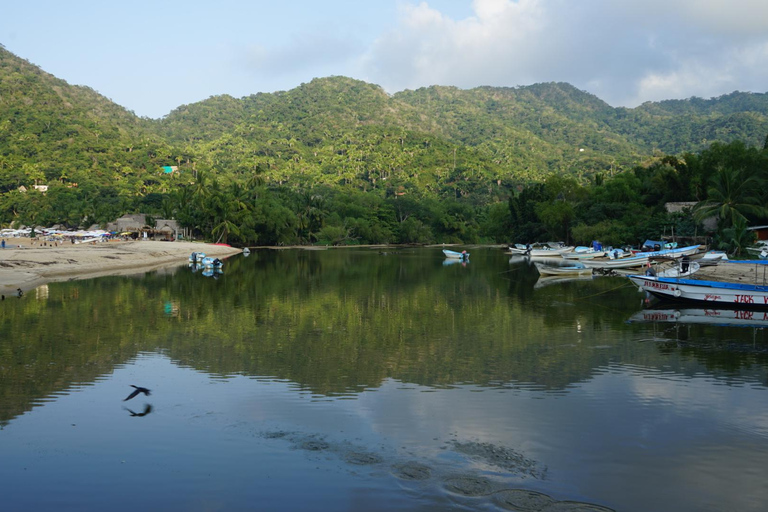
(138, 390)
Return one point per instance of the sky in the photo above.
(152, 56)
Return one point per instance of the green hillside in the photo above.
(431, 164)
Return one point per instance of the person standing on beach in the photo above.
(3, 243)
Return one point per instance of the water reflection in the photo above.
(472, 380)
(728, 317)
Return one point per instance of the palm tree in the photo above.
(731, 197)
(737, 238)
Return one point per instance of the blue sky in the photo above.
(153, 56)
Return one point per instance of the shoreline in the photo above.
(27, 267)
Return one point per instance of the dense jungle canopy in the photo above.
(340, 161)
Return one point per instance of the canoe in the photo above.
(711, 292)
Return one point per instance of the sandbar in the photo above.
(27, 266)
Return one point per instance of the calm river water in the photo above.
(352, 380)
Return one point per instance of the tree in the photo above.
(731, 197)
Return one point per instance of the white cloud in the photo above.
(624, 52)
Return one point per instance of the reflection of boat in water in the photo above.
(453, 255)
(212, 272)
(519, 258)
(550, 280)
(729, 317)
(207, 271)
(450, 261)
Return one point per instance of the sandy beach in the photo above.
(25, 266)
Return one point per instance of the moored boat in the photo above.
(574, 269)
(713, 292)
(196, 257)
(212, 263)
(681, 270)
(641, 258)
(628, 262)
(539, 251)
(583, 253)
(463, 255)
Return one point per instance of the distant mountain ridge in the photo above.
(341, 131)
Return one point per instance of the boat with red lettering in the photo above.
(722, 316)
(713, 292)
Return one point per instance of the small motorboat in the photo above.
(212, 263)
(463, 255)
(573, 269)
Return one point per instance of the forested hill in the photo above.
(529, 131)
(51, 131)
(337, 131)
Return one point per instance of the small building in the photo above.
(710, 223)
(136, 224)
(130, 223)
(760, 231)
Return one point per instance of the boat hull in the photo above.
(712, 292)
(541, 253)
(456, 255)
(628, 262)
(551, 270)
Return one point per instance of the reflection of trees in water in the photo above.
(334, 321)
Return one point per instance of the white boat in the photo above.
(540, 251)
(712, 257)
(713, 292)
(641, 258)
(628, 262)
(672, 253)
(463, 255)
(759, 248)
(574, 269)
(681, 270)
(212, 262)
(583, 255)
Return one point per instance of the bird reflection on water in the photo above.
(147, 410)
